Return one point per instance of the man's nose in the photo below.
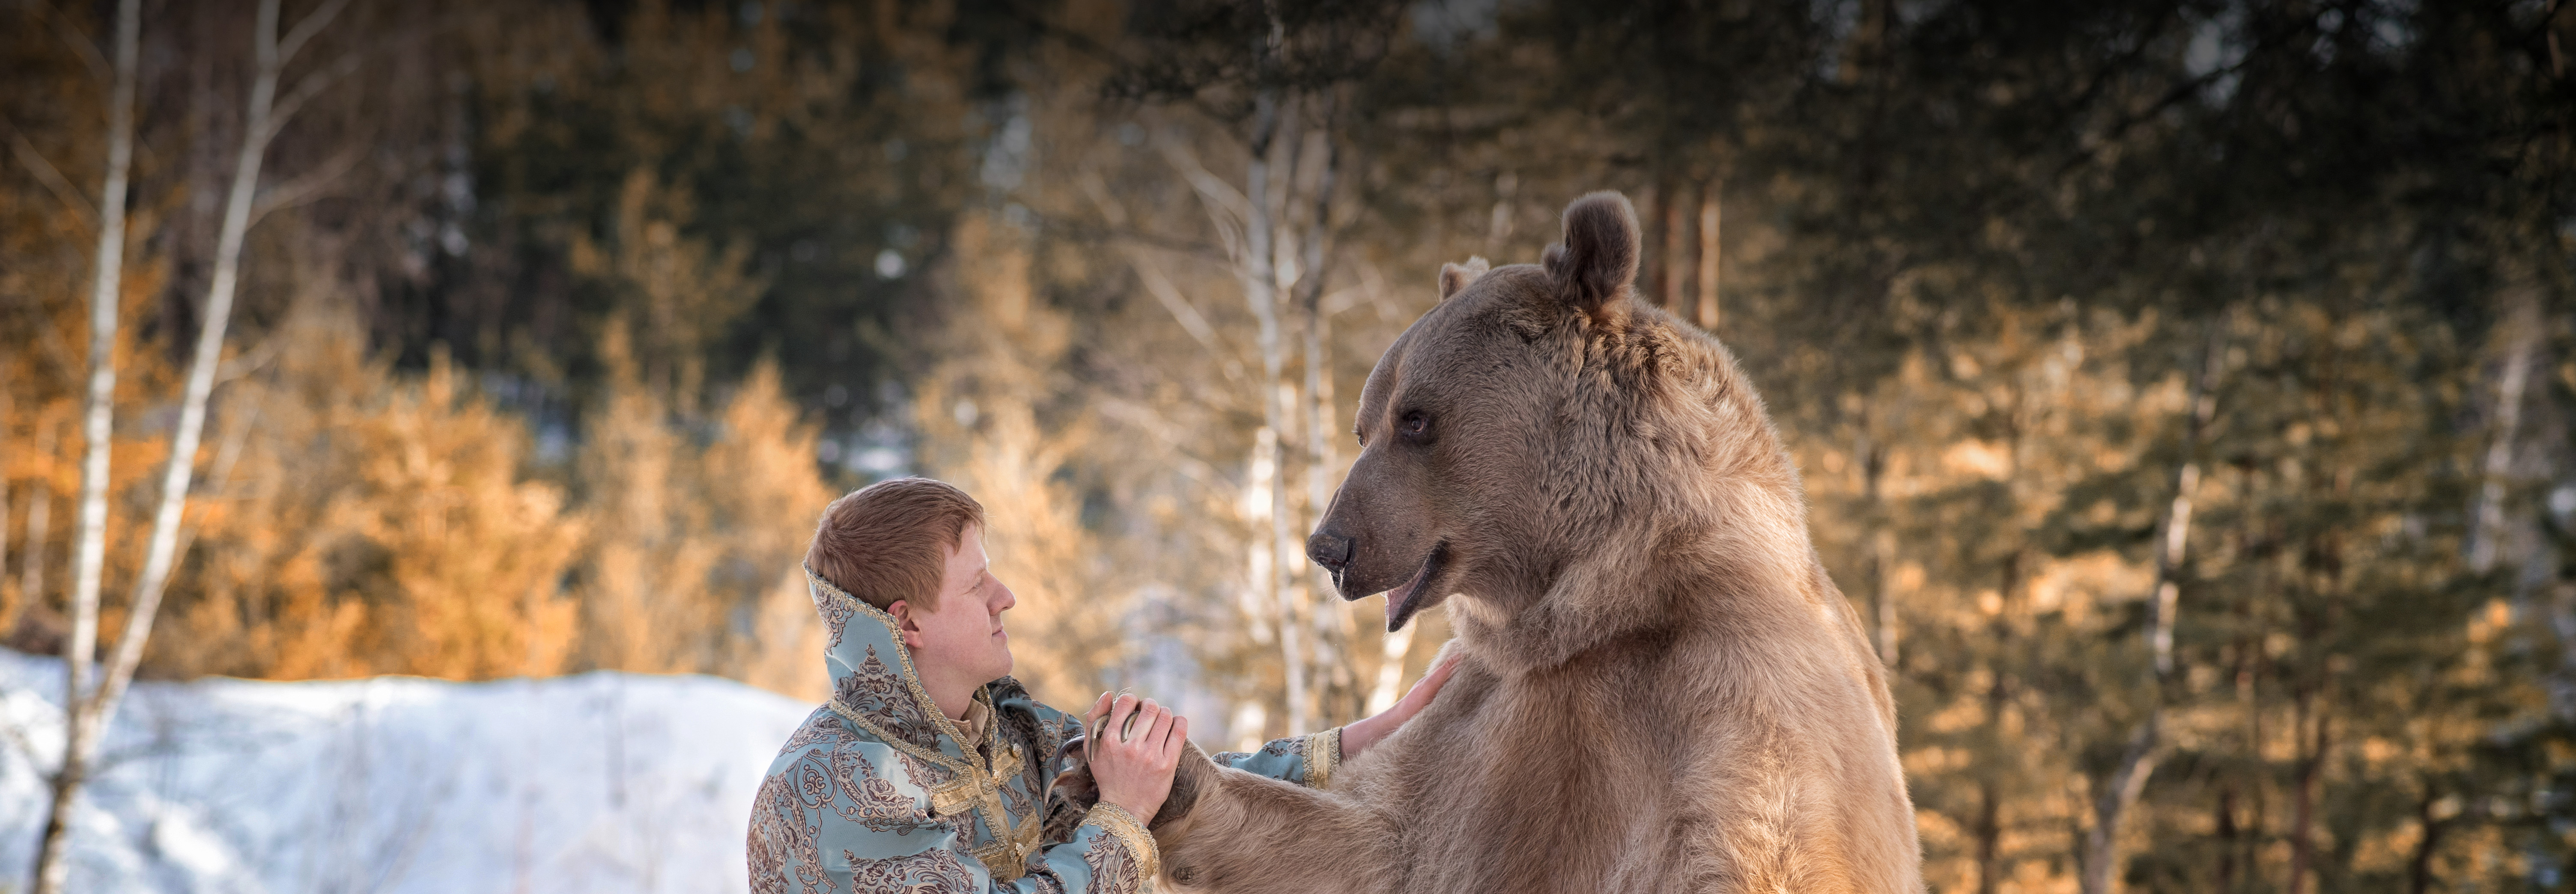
(1330, 550)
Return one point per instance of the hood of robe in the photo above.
(873, 681)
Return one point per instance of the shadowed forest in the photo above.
(2183, 389)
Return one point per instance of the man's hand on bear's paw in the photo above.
(1133, 747)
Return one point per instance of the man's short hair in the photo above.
(888, 542)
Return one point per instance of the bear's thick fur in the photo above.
(1661, 689)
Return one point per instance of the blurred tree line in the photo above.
(2182, 387)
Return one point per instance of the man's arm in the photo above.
(1307, 760)
(1310, 760)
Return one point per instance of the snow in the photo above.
(598, 782)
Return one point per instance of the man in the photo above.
(929, 769)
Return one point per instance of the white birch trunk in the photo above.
(2523, 329)
(1321, 457)
(163, 550)
(2146, 745)
(1397, 649)
(87, 717)
(90, 553)
(1256, 269)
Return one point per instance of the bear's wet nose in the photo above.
(1329, 550)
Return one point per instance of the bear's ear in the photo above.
(1597, 262)
(1455, 277)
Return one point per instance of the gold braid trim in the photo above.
(969, 786)
(1323, 756)
(1131, 833)
(911, 676)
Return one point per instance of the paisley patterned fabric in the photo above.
(879, 792)
(1305, 760)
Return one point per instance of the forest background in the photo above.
(2182, 388)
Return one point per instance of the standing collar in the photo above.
(875, 684)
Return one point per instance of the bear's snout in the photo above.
(1333, 551)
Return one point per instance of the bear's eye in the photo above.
(1414, 425)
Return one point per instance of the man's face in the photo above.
(963, 640)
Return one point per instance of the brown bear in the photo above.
(1661, 690)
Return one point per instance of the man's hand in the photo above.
(1361, 734)
(1133, 752)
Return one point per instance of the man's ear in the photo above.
(904, 627)
(1455, 277)
(1597, 262)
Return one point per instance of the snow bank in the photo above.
(599, 782)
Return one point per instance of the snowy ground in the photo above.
(598, 782)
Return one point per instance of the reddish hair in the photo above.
(888, 542)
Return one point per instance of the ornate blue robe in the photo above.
(879, 791)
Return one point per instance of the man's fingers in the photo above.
(1121, 713)
(1429, 686)
(1161, 728)
(1141, 728)
(1180, 737)
(1099, 710)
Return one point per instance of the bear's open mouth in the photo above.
(1401, 602)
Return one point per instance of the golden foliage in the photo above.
(368, 524)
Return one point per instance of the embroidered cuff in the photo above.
(1323, 756)
(1131, 833)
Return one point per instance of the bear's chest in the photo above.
(1558, 785)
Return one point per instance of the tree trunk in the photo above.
(40, 524)
(2419, 869)
(86, 714)
(162, 553)
(1396, 649)
(2138, 761)
(1882, 552)
(2523, 328)
(1258, 272)
(1321, 435)
(91, 551)
(1676, 259)
(2226, 826)
(1708, 312)
(1989, 834)
(1498, 224)
(1650, 216)
(2303, 800)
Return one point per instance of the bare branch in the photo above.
(1182, 310)
(51, 178)
(81, 45)
(309, 185)
(312, 24)
(1211, 188)
(306, 88)
(251, 361)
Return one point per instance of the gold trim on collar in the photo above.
(911, 675)
(975, 779)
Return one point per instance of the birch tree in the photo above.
(90, 553)
(2146, 745)
(87, 712)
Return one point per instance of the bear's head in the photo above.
(1574, 463)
